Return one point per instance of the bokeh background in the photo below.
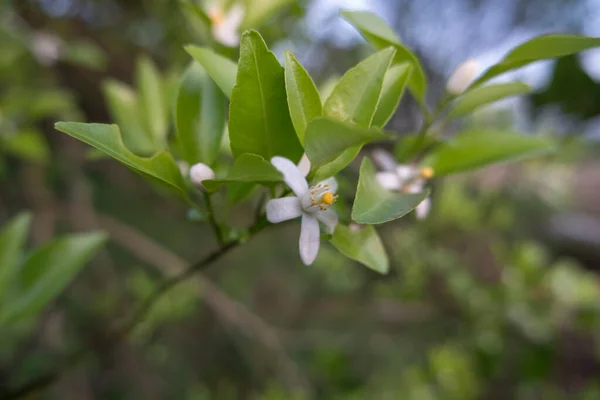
(495, 296)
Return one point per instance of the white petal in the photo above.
(329, 218)
(462, 77)
(199, 173)
(291, 175)
(225, 35)
(304, 165)
(279, 210)
(234, 16)
(405, 173)
(416, 186)
(388, 180)
(422, 210)
(332, 182)
(384, 160)
(309, 239)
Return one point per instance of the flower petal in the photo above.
(416, 186)
(329, 218)
(388, 180)
(226, 31)
(309, 239)
(422, 210)
(384, 160)
(291, 175)
(332, 182)
(304, 165)
(279, 210)
(405, 173)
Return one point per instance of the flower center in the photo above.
(216, 15)
(318, 198)
(427, 172)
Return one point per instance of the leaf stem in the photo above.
(213, 220)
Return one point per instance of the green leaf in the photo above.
(410, 145)
(394, 83)
(481, 96)
(375, 205)
(151, 93)
(339, 163)
(28, 144)
(247, 168)
(356, 95)
(221, 69)
(539, 48)
(200, 116)
(259, 119)
(363, 246)
(107, 138)
(302, 95)
(327, 139)
(12, 239)
(471, 150)
(380, 36)
(258, 11)
(48, 271)
(86, 54)
(123, 105)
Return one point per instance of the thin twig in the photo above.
(213, 220)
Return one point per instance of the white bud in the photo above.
(199, 173)
(462, 77)
(46, 48)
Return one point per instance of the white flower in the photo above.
(46, 48)
(225, 25)
(462, 77)
(312, 204)
(199, 173)
(403, 178)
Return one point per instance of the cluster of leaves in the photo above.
(276, 110)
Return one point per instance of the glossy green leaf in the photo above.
(151, 94)
(355, 97)
(247, 168)
(303, 97)
(471, 150)
(48, 271)
(12, 239)
(363, 245)
(392, 90)
(107, 138)
(200, 116)
(123, 105)
(259, 119)
(539, 48)
(339, 163)
(327, 139)
(380, 36)
(375, 205)
(28, 144)
(481, 96)
(221, 69)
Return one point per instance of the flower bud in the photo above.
(199, 173)
(462, 77)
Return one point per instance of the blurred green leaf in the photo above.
(107, 138)
(356, 95)
(302, 95)
(29, 145)
(363, 245)
(471, 150)
(339, 163)
(375, 205)
(221, 69)
(123, 105)
(538, 48)
(394, 82)
(406, 148)
(48, 271)
(327, 139)
(200, 116)
(380, 36)
(151, 93)
(86, 54)
(258, 11)
(259, 119)
(247, 168)
(12, 239)
(481, 96)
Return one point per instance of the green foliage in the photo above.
(363, 245)
(259, 120)
(107, 138)
(199, 116)
(375, 205)
(221, 69)
(470, 150)
(248, 168)
(394, 82)
(12, 240)
(380, 36)
(151, 100)
(484, 95)
(302, 95)
(28, 144)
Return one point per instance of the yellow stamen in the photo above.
(216, 16)
(427, 172)
(328, 198)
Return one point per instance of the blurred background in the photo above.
(496, 295)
